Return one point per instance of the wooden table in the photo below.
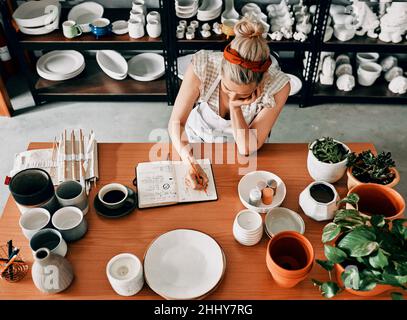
(247, 276)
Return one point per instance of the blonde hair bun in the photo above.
(249, 28)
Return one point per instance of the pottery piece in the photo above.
(398, 85)
(248, 227)
(50, 272)
(329, 31)
(154, 29)
(72, 193)
(50, 239)
(289, 258)
(71, 223)
(299, 36)
(345, 68)
(305, 26)
(230, 11)
(368, 73)
(276, 36)
(367, 20)
(393, 24)
(343, 34)
(319, 200)
(342, 59)
(363, 57)
(352, 181)
(393, 73)
(376, 199)
(345, 82)
(388, 63)
(136, 28)
(328, 68)
(34, 220)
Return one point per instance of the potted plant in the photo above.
(327, 159)
(368, 254)
(368, 168)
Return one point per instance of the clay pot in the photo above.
(379, 289)
(377, 199)
(352, 181)
(289, 258)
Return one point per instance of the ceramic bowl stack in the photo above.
(209, 10)
(184, 264)
(248, 227)
(38, 17)
(60, 65)
(112, 63)
(186, 8)
(146, 67)
(283, 219)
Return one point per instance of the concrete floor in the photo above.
(384, 125)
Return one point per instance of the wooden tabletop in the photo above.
(247, 276)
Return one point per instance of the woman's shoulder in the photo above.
(206, 64)
(277, 79)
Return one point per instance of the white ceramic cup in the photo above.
(139, 4)
(71, 29)
(153, 15)
(183, 23)
(125, 274)
(194, 24)
(136, 28)
(190, 35)
(138, 14)
(70, 222)
(363, 57)
(50, 239)
(180, 34)
(154, 28)
(72, 193)
(368, 73)
(34, 220)
(113, 187)
(248, 227)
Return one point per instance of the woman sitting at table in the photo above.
(238, 93)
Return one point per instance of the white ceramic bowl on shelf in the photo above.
(41, 30)
(34, 14)
(112, 63)
(85, 13)
(146, 67)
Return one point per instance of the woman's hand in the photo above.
(237, 103)
(196, 177)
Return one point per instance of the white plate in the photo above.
(146, 67)
(283, 219)
(60, 65)
(112, 63)
(183, 264)
(33, 14)
(249, 182)
(210, 6)
(120, 27)
(295, 83)
(41, 30)
(85, 13)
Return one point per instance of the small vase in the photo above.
(51, 273)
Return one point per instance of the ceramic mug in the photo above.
(154, 28)
(70, 222)
(125, 274)
(368, 73)
(33, 220)
(72, 193)
(136, 28)
(139, 5)
(138, 15)
(101, 27)
(50, 239)
(153, 15)
(114, 195)
(71, 30)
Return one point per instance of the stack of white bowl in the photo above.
(209, 10)
(186, 8)
(38, 17)
(248, 227)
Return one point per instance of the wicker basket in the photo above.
(17, 270)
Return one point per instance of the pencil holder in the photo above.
(17, 270)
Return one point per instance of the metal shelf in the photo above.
(364, 44)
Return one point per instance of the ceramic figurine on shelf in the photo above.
(299, 36)
(398, 85)
(393, 24)
(276, 36)
(304, 26)
(287, 32)
(278, 10)
(328, 69)
(345, 82)
(367, 20)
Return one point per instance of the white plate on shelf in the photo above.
(120, 27)
(296, 84)
(60, 65)
(183, 264)
(41, 30)
(34, 14)
(112, 63)
(249, 182)
(146, 67)
(84, 13)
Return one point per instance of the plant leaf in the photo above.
(397, 296)
(400, 228)
(352, 199)
(327, 265)
(364, 249)
(316, 283)
(330, 289)
(330, 232)
(378, 221)
(350, 277)
(334, 254)
(356, 237)
(379, 260)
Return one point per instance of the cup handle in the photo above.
(79, 30)
(130, 201)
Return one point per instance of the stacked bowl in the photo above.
(186, 8)
(248, 227)
(209, 10)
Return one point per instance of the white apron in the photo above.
(205, 125)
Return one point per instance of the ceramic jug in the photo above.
(51, 273)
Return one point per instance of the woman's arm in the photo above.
(249, 141)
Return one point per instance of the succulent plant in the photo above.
(329, 151)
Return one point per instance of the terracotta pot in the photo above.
(379, 289)
(352, 181)
(379, 199)
(289, 258)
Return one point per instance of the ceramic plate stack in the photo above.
(60, 65)
(186, 8)
(146, 67)
(112, 63)
(38, 17)
(209, 10)
(184, 264)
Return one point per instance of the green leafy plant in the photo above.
(366, 167)
(329, 151)
(370, 250)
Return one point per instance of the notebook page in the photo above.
(186, 193)
(156, 184)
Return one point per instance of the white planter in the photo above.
(322, 171)
(317, 210)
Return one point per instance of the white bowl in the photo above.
(33, 14)
(112, 63)
(146, 67)
(34, 220)
(85, 13)
(41, 30)
(249, 182)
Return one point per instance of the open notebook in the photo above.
(162, 183)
